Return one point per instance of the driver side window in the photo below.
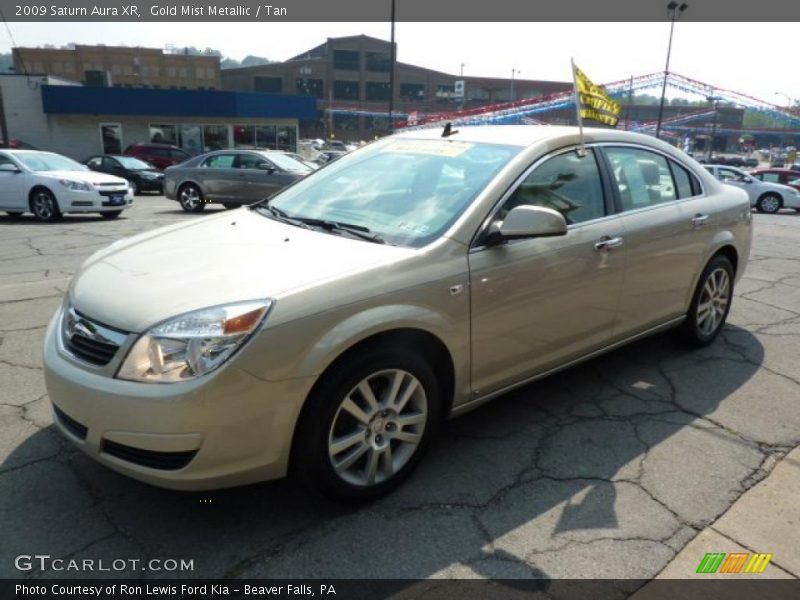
(567, 183)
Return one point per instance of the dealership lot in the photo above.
(605, 470)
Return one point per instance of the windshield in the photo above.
(47, 161)
(286, 162)
(134, 164)
(406, 191)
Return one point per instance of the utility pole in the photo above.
(5, 141)
(391, 77)
(715, 101)
(674, 13)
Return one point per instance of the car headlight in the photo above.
(77, 186)
(193, 344)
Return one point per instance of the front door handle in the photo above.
(608, 243)
(699, 220)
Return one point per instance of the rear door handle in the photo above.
(608, 243)
(699, 220)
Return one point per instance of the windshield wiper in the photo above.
(276, 213)
(358, 231)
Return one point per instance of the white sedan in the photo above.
(48, 185)
(766, 196)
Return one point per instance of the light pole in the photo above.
(674, 12)
(392, 59)
(513, 72)
(714, 101)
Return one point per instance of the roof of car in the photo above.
(523, 135)
(774, 170)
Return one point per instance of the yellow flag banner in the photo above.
(594, 101)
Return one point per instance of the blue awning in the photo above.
(83, 100)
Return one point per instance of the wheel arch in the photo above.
(722, 245)
(37, 187)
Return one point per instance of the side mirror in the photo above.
(9, 168)
(527, 222)
(268, 168)
(745, 179)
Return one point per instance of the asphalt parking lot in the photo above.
(606, 470)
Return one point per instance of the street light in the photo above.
(714, 100)
(513, 72)
(674, 12)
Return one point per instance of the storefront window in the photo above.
(287, 138)
(244, 136)
(191, 139)
(163, 134)
(215, 137)
(111, 135)
(266, 137)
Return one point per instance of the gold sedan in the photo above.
(327, 331)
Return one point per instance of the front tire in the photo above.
(769, 203)
(710, 304)
(367, 424)
(44, 206)
(191, 198)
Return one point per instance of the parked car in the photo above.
(765, 196)
(160, 156)
(142, 176)
(16, 144)
(48, 185)
(327, 331)
(230, 178)
(783, 176)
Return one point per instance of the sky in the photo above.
(757, 59)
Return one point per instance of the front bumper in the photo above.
(226, 429)
(151, 185)
(75, 202)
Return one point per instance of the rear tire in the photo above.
(349, 446)
(44, 206)
(710, 304)
(230, 205)
(769, 203)
(111, 214)
(191, 198)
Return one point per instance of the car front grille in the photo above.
(89, 340)
(109, 193)
(165, 461)
(70, 424)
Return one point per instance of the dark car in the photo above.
(784, 176)
(230, 178)
(16, 144)
(160, 156)
(142, 176)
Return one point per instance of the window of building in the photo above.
(266, 137)
(642, 177)
(346, 125)
(477, 93)
(287, 138)
(378, 61)
(377, 90)
(199, 73)
(346, 90)
(346, 60)
(111, 138)
(445, 93)
(311, 87)
(163, 134)
(412, 92)
(183, 72)
(211, 73)
(244, 136)
(215, 137)
(567, 183)
(190, 138)
(268, 84)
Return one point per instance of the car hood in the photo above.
(89, 176)
(148, 172)
(234, 256)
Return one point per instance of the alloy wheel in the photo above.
(43, 206)
(714, 299)
(770, 204)
(378, 427)
(190, 198)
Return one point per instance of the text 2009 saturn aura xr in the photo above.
(325, 332)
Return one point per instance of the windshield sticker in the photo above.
(413, 227)
(429, 147)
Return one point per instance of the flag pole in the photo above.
(582, 146)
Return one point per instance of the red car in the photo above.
(17, 144)
(160, 156)
(776, 175)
